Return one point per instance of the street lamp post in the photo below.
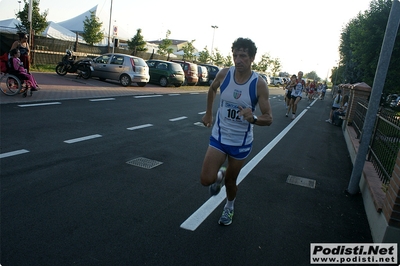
(109, 28)
(212, 44)
(19, 6)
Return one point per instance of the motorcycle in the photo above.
(82, 67)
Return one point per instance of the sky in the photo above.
(303, 35)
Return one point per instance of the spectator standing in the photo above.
(23, 46)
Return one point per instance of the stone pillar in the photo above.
(359, 92)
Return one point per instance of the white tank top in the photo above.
(230, 128)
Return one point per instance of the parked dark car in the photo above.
(190, 69)
(122, 67)
(212, 71)
(165, 73)
(203, 75)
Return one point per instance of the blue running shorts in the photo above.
(236, 152)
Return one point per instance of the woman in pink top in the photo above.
(18, 68)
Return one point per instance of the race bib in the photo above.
(230, 111)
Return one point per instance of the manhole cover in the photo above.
(144, 163)
(301, 181)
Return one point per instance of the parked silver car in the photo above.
(122, 67)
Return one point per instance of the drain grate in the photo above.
(144, 163)
(301, 181)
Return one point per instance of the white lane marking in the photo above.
(202, 113)
(174, 94)
(177, 119)
(38, 104)
(148, 96)
(12, 153)
(315, 100)
(82, 139)
(211, 204)
(140, 127)
(194, 93)
(102, 99)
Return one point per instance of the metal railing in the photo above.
(385, 139)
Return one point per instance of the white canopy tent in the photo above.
(75, 24)
(8, 25)
(56, 31)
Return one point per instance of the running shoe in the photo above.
(328, 121)
(293, 116)
(216, 187)
(286, 115)
(226, 217)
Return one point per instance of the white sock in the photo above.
(229, 204)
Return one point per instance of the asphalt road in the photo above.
(71, 198)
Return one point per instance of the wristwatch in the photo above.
(254, 119)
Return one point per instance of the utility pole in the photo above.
(109, 28)
(212, 44)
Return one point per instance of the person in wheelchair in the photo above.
(16, 68)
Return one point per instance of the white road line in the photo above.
(140, 127)
(173, 94)
(38, 104)
(12, 153)
(102, 99)
(82, 139)
(202, 113)
(194, 93)
(177, 119)
(148, 96)
(210, 205)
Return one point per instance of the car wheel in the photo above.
(125, 80)
(178, 85)
(141, 84)
(163, 81)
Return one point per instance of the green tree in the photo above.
(39, 22)
(92, 29)
(360, 46)
(275, 66)
(137, 43)
(217, 58)
(228, 62)
(264, 63)
(204, 56)
(188, 51)
(312, 75)
(164, 48)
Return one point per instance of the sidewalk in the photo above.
(55, 87)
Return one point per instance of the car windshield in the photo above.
(139, 62)
(176, 67)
